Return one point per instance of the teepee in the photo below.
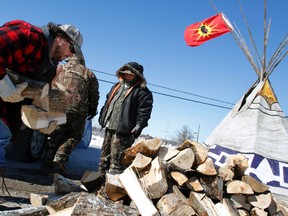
(256, 126)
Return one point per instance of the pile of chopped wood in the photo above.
(166, 181)
(184, 181)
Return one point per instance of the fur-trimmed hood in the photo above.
(133, 68)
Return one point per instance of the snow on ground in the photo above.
(87, 159)
(96, 142)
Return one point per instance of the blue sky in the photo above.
(152, 33)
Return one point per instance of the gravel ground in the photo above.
(22, 179)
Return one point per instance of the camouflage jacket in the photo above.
(79, 85)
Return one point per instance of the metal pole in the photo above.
(198, 132)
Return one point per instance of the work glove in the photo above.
(9, 92)
(91, 114)
(52, 127)
(136, 131)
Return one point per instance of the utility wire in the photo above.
(105, 81)
(188, 93)
(196, 101)
(177, 97)
(179, 91)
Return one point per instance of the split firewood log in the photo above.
(135, 191)
(278, 207)
(63, 202)
(200, 151)
(213, 186)
(179, 177)
(194, 184)
(182, 161)
(174, 204)
(202, 204)
(258, 212)
(141, 162)
(34, 89)
(93, 180)
(166, 153)
(38, 200)
(261, 201)
(146, 147)
(257, 186)
(177, 192)
(36, 118)
(89, 204)
(195, 200)
(171, 205)
(238, 187)
(64, 185)
(243, 212)
(155, 181)
(272, 209)
(226, 208)
(240, 201)
(114, 188)
(226, 174)
(238, 164)
(282, 208)
(207, 168)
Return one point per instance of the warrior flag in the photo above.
(200, 32)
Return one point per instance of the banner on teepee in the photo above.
(272, 173)
(200, 32)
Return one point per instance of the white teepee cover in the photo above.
(258, 127)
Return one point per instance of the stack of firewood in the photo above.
(184, 181)
(162, 180)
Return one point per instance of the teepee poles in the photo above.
(259, 63)
(251, 39)
(265, 41)
(278, 55)
(243, 46)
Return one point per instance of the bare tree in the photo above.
(183, 134)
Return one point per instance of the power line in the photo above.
(176, 90)
(196, 101)
(102, 72)
(173, 96)
(105, 81)
(188, 93)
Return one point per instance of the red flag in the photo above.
(200, 32)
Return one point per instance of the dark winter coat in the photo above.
(136, 108)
